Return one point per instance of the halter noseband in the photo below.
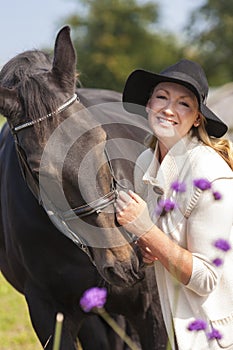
(97, 205)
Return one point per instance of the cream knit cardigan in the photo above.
(195, 225)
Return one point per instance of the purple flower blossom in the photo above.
(203, 184)
(165, 206)
(93, 297)
(217, 262)
(214, 334)
(178, 186)
(217, 196)
(197, 325)
(222, 244)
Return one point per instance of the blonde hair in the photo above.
(223, 147)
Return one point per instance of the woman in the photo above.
(182, 211)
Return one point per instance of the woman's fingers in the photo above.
(147, 255)
(124, 196)
(122, 201)
(120, 205)
(134, 196)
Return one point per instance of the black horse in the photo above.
(50, 253)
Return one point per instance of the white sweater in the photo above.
(195, 225)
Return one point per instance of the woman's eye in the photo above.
(161, 97)
(184, 104)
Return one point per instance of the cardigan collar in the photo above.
(161, 175)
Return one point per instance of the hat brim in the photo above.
(214, 126)
(140, 85)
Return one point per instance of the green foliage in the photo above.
(16, 332)
(211, 31)
(114, 37)
(2, 120)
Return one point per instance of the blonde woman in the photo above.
(182, 208)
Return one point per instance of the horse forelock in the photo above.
(23, 65)
(27, 73)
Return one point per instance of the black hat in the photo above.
(140, 84)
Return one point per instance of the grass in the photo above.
(16, 332)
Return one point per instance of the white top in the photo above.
(195, 225)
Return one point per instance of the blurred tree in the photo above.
(211, 31)
(114, 37)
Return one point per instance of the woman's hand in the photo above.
(132, 213)
(148, 257)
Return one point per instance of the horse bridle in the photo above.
(84, 210)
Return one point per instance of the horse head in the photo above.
(60, 145)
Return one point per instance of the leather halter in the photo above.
(99, 204)
(84, 210)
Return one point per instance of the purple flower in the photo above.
(178, 186)
(222, 244)
(203, 184)
(93, 297)
(217, 195)
(217, 262)
(197, 325)
(165, 206)
(214, 334)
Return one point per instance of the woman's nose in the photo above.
(170, 107)
(169, 110)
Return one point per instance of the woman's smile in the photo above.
(166, 121)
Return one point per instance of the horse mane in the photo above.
(24, 73)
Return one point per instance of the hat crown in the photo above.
(191, 73)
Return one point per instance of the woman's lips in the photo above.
(166, 121)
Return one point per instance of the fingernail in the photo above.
(148, 250)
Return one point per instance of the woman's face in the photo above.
(172, 111)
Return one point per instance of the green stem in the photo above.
(116, 328)
(58, 330)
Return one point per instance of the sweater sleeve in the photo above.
(210, 221)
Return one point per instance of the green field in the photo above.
(16, 332)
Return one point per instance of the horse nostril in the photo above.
(110, 272)
(114, 277)
(124, 275)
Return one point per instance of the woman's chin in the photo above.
(165, 132)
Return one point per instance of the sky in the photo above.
(33, 24)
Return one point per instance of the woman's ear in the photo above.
(148, 107)
(197, 121)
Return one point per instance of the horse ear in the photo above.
(64, 62)
(9, 103)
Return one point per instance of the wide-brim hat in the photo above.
(140, 85)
